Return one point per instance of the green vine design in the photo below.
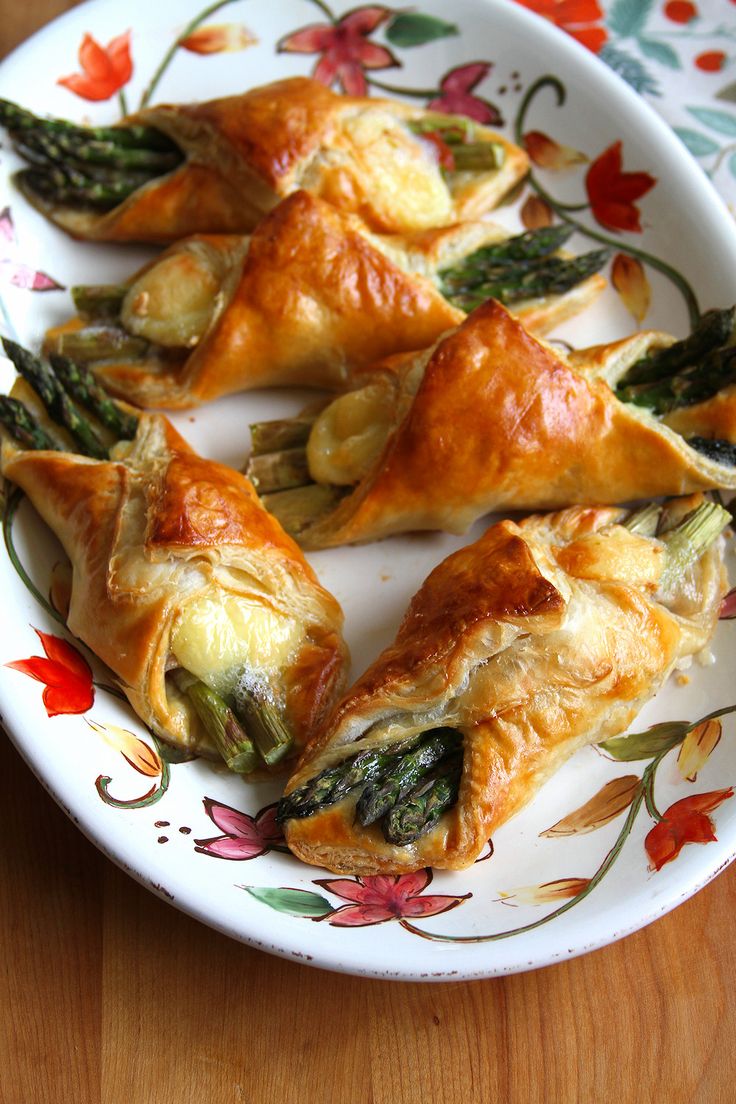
(150, 797)
(563, 210)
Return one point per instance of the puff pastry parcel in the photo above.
(309, 299)
(490, 418)
(181, 579)
(539, 638)
(238, 156)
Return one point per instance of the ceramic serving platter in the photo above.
(609, 844)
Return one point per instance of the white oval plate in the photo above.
(203, 839)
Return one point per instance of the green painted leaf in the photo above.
(732, 164)
(294, 902)
(628, 17)
(414, 29)
(661, 52)
(698, 144)
(727, 93)
(720, 121)
(630, 69)
(645, 745)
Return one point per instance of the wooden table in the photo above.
(112, 996)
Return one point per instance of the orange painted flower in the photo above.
(135, 751)
(536, 212)
(612, 192)
(686, 821)
(345, 48)
(219, 38)
(547, 894)
(65, 673)
(105, 69)
(577, 17)
(549, 154)
(630, 281)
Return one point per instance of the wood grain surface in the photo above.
(110, 996)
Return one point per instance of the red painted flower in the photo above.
(680, 11)
(686, 821)
(245, 837)
(612, 192)
(105, 69)
(712, 61)
(344, 47)
(64, 671)
(15, 272)
(456, 87)
(574, 16)
(385, 897)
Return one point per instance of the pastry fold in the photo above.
(242, 154)
(168, 548)
(536, 640)
(491, 418)
(309, 299)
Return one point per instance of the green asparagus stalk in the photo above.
(299, 507)
(18, 119)
(643, 520)
(420, 810)
(84, 389)
(551, 276)
(99, 302)
(478, 156)
(53, 396)
(451, 128)
(264, 724)
(716, 370)
(101, 343)
(72, 189)
(279, 471)
(715, 329)
(526, 247)
(335, 783)
(688, 541)
(393, 785)
(22, 426)
(41, 147)
(221, 724)
(284, 433)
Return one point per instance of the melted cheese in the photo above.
(349, 435)
(219, 640)
(398, 170)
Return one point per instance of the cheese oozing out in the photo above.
(349, 434)
(220, 639)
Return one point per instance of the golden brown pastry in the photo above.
(242, 154)
(539, 638)
(181, 579)
(311, 297)
(489, 418)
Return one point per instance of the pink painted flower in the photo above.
(245, 837)
(65, 673)
(105, 69)
(345, 49)
(384, 897)
(14, 272)
(456, 99)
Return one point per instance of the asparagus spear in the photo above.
(529, 246)
(478, 156)
(716, 370)
(42, 147)
(550, 276)
(72, 189)
(420, 810)
(689, 539)
(18, 119)
(58, 404)
(715, 329)
(282, 433)
(101, 343)
(335, 783)
(221, 723)
(297, 508)
(22, 426)
(402, 775)
(83, 387)
(643, 520)
(264, 723)
(278, 471)
(96, 302)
